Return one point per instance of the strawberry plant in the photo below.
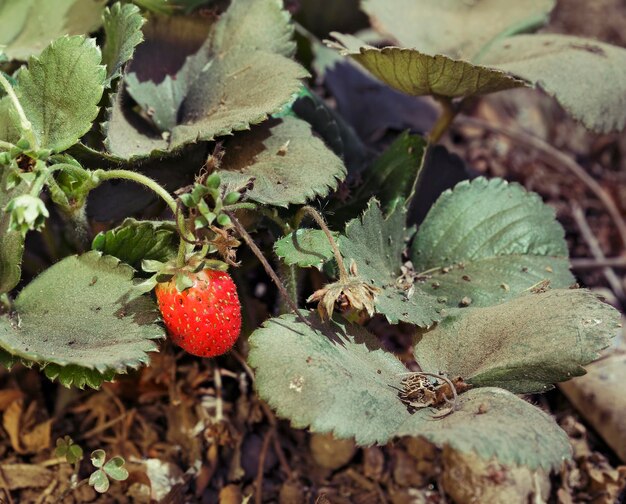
(211, 117)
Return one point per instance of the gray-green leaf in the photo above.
(83, 311)
(77, 376)
(11, 242)
(60, 91)
(306, 248)
(122, 30)
(588, 78)
(28, 26)
(376, 244)
(134, 241)
(115, 469)
(290, 164)
(456, 28)
(335, 378)
(488, 241)
(99, 481)
(524, 345)
(98, 457)
(239, 77)
(416, 73)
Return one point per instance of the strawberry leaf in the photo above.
(77, 376)
(306, 248)
(83, 311)
(417, 73)
(456, 28)
(11, 242)
(587, 77)
(134, 241)
(376, 245)
(274, 154)
(335, 378)
(488, 241)
(391, 177)
(60, 91)
(28, 26)
(239, 77)
(524, 345)
(10, 130)
(122, 29)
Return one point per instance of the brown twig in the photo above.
(258, 494)
(594, 246)
(556, 159)
(589, 263)
(266, 265)
(5, 486)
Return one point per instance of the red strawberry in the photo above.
(205, 319)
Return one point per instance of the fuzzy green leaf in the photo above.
(335, 378)
(524, 345)
(376, 244)
(134, 241)
(261, 25)
(98, 457)
(82, 311)
(334, 130)
(290, 164)
(416, 73)
(588, 78)
(10, 130)
(28, 26)
(392, 176)
(60, 91)
(488, 240)
(306, 248)
(122, 29)
(11, 242)
(456, 28)
(77, 376)
(99, 481)
(115, 469)
(237, 78)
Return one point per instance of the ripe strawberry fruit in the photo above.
(205, 319)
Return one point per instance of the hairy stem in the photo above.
(266, 265)
(315, 215)
(289, 277)
(153, 185)
(6, 145)
(25, 124)
(444, 121)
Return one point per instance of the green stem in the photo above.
(6, 145)
(26, 125)
(289, 276)
(240, 206)
(102, 175)
(444, 121)
(307, 210)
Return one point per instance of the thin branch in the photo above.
(588, 263)
(258, 497)
(315, 215)
(556, 159)
(266, 265)
(594, 246)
